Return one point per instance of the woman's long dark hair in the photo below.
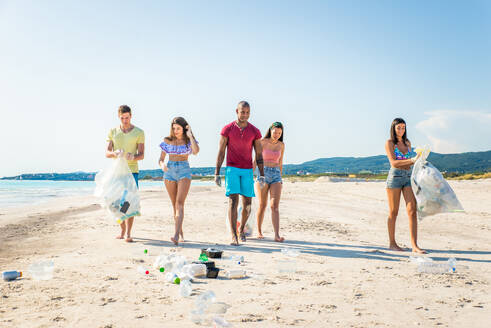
(393, 135)
(182, 122)
(275, 125)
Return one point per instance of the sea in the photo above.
(16, 193)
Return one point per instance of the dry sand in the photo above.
(346, 276)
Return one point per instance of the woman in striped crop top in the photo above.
(401, 158)
(273, 150)
(177, 173)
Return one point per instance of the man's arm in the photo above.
(110, 153)
(258, 149)
(140, 152)
(221, 153)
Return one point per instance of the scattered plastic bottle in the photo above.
(236, 274)
(185, 288)
(142, 270)
(42, 270)
(204, 300)
(11, 275)
(432, 267)
(194, 270)
(172, 278)
(237, 259)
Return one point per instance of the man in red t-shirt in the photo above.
(238, 138)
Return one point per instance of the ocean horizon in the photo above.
(16, 193)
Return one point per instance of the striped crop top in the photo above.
(176, 149)
(271, 156)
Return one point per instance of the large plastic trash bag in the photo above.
(117, 189)
(433, 193)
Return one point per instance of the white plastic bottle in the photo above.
(185, 288)
(236, 274)
(432, 267)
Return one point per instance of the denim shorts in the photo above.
(177, 170)
(272, 175)
(398, 179)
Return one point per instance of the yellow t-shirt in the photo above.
(127, 142)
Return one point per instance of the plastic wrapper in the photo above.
(433, 193)
(116, 187)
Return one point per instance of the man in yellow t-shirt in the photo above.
(129, 141)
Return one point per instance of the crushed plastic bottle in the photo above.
(140, 269)
(42, 270)
(203, 257)
(11, 275)
(435, 268)
(185, 288)
(236, 274)
(204, 300)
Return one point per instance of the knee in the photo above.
(275, 208)
(393, 214)
(179, 204)
(411, 209)
(232, 203)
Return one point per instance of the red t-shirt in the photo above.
(240, 143)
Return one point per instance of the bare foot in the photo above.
(119, 237)
(235, 241)
(181, 238)
(279, 239)
(418, 250)
(174, 240)
(395, 247)
(242, 237)
(260, 235)
(129, 240)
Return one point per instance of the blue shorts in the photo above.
(398, 179)
(135, 175)
(239, 181)
(177, 170)
(272, 175)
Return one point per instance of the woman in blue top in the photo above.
(401, 158)
(177, 173)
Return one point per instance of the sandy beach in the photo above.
(346, 276)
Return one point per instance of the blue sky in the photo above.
(334, 72)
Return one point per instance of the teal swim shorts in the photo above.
(239, 181)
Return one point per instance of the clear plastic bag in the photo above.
(250, 223)
(117, 189)
(433, 193)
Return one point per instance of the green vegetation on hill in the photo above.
(475, 162)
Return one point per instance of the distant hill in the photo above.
(459, 163)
